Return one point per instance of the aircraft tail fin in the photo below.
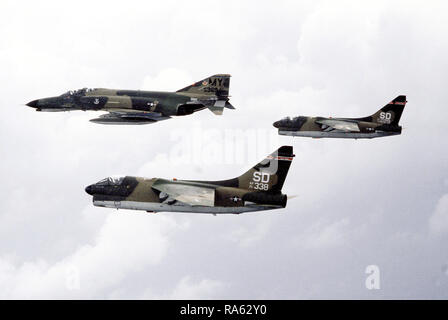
(390, 113)
(216, 85)
(270, 174)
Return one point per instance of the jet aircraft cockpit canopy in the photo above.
(299, 118)
(292, 122)
(76, 92)
(110, 181)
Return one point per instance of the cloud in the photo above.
(125, 243)
(323, 235)
(170, 79)
(247, 236)
(438, 222)
(203, 289)
(286, 58)
(188, 288)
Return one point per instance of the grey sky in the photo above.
(382, 202)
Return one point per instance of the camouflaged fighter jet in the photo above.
(143, 107)
(257, 189)
(382, 123)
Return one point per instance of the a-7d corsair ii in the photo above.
(142, 107)
(257, 189)
(382, 123)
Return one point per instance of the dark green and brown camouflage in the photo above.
(384, 122)
(260, 188)
(143, 107)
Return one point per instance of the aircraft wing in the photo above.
(186, 193)
(124, 117)
(340, 125)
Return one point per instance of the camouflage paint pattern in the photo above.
(136, 106)
(257, 189)
(384, 122)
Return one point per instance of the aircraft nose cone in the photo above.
(89, 190)
(32, 104)
(276, 124)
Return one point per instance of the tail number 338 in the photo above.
(261, 180)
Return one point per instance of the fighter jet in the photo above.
(257, 189)
(382, 123)
(143, 107)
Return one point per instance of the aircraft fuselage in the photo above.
(137, 193)
(313, 127)
(165, 103)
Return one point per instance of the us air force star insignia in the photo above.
(235, 199)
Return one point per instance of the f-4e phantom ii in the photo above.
(257, 189)
(143, 107)
(382, 123)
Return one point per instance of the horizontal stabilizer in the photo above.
(229, 106)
